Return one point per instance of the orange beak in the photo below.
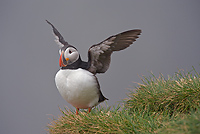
(62, 60)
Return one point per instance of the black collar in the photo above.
(78, 64)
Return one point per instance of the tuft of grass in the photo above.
(100, 120)
(178, 94)
(159, 105)
(104, 120)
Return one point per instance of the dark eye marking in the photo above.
(70, 51)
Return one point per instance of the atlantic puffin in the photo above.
(76, 80)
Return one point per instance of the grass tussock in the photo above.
(178, 94)
(159, 105)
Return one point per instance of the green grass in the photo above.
(185, 124)
(158, 105)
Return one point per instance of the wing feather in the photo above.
(59, 39)
(99, 55)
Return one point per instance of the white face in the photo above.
(72, 54)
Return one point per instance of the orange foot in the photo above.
(89, 110)
(77, 109)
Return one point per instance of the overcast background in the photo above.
(29, 56)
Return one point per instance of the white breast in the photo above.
(78, 87)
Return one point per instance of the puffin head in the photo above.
(68, 55)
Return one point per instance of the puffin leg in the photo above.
(77, 109)
(89, 109)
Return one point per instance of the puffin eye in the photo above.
(70, 51)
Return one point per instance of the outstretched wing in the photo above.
(59, 39)
(99, 55)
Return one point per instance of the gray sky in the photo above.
(29, 55)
